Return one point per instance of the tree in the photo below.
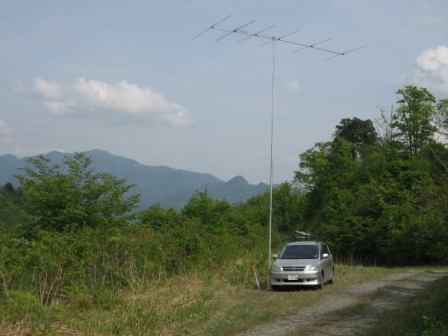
(360, 133)
(357, 131)
(9, 189)
(442, 117)
(78, 198)
(159, 218)
(11, 212)
(313, 166)
(384, 127)
(384, 205)
(211, 213)
(413, 118)
(287, 206)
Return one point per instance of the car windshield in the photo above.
(300, 252)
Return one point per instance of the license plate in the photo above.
(293, 277)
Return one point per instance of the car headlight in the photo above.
(276, 268)
(311, 268)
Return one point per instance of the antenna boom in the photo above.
(212, 26)
(257, 34)
(280, 38)
(236, 30)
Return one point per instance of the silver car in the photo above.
(304, 263)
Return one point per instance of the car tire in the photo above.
(331, 281)
(321, 281)
(275, 288)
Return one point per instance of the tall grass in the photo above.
(200, 303)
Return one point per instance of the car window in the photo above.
(324, 249)
(300, 252)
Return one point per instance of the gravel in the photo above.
(364, 304)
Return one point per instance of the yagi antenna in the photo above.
(236, 30)
(311, 45)
(280, 37)
(257, 34)
(344, 53)
(212, 26)
(289, 34)
(276, 38)
(271, 38)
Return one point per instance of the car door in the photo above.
(330, 261)
(323, 262)
(326, 262)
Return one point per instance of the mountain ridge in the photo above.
(162, 185)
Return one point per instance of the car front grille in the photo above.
(293, 268)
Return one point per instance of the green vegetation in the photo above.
(425, 315)
(75, 254)
(382, 199)
(212, 303)
(80, 198)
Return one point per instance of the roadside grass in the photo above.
(195, 304)
(424, 315)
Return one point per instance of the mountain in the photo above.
(161, 185)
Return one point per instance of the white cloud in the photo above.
(124, 100)
(59, 107)
(5, 133)
(48, 89)
(129, 99)
(433, 59)
(433, 72)
(293, 87)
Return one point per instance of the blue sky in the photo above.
(127, 77)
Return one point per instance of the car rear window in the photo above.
(300, 252)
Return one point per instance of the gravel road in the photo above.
(351, 310)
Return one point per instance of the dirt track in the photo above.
(351, 310)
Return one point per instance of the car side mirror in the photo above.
(274, 256)
(325, 256)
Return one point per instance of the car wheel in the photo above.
(275, 288)
(320, 285)
(331, 281)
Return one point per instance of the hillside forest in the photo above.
(377, 193)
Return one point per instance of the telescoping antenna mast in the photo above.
(272, 38)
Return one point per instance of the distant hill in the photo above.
(157, 184)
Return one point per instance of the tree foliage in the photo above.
(414, 118)
(79, 197)
(12, 213)
(389, 204)
(357, 131)
(442, 117)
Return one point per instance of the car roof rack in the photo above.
(304, 236)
